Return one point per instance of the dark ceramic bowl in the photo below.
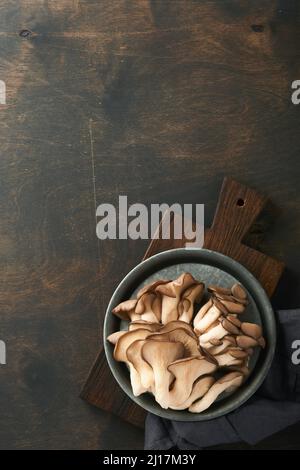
(212, 268)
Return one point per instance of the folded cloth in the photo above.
(273, 407)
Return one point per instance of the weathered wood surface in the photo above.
(157, 100)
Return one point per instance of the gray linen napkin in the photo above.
(274, 406)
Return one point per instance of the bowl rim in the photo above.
(260, 297)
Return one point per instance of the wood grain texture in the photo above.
(158, 100)
(237, 209)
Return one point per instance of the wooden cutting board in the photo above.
(237, 209)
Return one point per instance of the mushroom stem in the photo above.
(135, 379)
(159, 354)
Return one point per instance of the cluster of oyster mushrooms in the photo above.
(186, 361)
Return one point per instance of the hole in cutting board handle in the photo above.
(240, 202)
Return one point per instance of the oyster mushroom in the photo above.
(159, 355)
(238, 292)
(228, 382)
(233, 307)
(189, 342)
(148, 307)
(126, 310)
(205, 320)
(219, 345)
(251, 329)
(246, 342)
(173, 325)
(120, 354)
(171, 295)
(113, 338)
(254, 331)
(138, 324)
(134, 356)
(126, 340)
(186, 371)
(135, 380)
(151, 287)
(231, 300)
(226, 359)
(203, 310)
(216, 331)
(238, 353)
(230, 326)
(233, 319)
(218, 290)
(190, 296)
(200, 388)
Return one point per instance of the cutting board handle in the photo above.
(238, 207)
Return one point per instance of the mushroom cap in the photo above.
(200, 388)
(233, 307)
(195, 292)
(229, 382)
(189, 297)
(189, 342)
(176, 287)
(231, 339)
(246, 342)
(229, 298)
(162, 353)
(220, 305)
(197, 365)
(134, 355)
(234, 320)
(218, 289)
(173, 325)
(125, 341)
(113, 338)
(151, 287)
(230, 327)
(125, 310)
(172, 293)
(238, 292)
(238, 353)
(149, 307)
(138, 324)
(251, 329)
(186, 371)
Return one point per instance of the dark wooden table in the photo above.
(157, 100)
